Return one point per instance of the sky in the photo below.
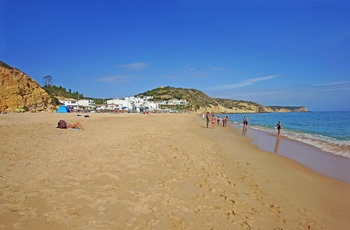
(274, 52)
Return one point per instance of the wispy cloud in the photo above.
(116, 79)
(333, 83)
(190, 68)
(338, 89)
(194, 72)
(334, 86)
(171, 77)
(219, 68)
(134, 66)
(244, 83)
(315, 97)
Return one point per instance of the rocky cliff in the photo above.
(288, 108)
(19, 91)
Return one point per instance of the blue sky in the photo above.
(274, 52)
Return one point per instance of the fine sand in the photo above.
(157, 171)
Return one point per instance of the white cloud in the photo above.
(338, 89)
(244, 83)
(134, 66)
(116, 79)
(171, 77)
(334, 86)
(322, 97)
(333, 83)
(219, 68)
(190, 68)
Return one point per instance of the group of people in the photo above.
(214, 119)
(224, 121)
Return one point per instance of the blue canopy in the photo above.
(63, 109)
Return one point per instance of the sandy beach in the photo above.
(156, 171)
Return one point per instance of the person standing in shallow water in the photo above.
(279, 127)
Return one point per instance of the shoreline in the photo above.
(156, 171)
(325, 163)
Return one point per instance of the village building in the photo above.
(136, 104)
(78, 104)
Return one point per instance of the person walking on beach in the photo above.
(279, 127)
(207, 116)
(245, 121)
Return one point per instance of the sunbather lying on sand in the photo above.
(64, 125)
(76, 125)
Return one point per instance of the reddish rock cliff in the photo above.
(18, 90)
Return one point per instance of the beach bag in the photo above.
(62, 124)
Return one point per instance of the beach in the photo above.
(156, 171)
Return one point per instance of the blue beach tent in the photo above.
(63, 109)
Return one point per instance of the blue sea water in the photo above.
(328, 131)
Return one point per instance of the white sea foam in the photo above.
(326, 144)
(328, 131)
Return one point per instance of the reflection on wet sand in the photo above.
(277, 144)
(244, 130)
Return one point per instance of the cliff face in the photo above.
(237, 106)
(301, 109)
(18, 90)
(283, 109)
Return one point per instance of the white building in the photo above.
(87, 103)
(174, 102)
(78, 104)
(119, 104)
(69, 102)
(139, 104)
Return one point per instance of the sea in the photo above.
(318, 140)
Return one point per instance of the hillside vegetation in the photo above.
(195, 98)
(200, 102)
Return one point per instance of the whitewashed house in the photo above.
(78, 104)
(90, 104)
(150, 105)
(69, 102)
(119, 104)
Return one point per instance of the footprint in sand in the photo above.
(274, 208)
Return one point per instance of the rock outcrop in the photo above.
(19, 91)
(286, 109)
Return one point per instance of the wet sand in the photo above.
(157, 171)
(328, 164)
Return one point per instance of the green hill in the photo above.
(198, 101)
(195, 98)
